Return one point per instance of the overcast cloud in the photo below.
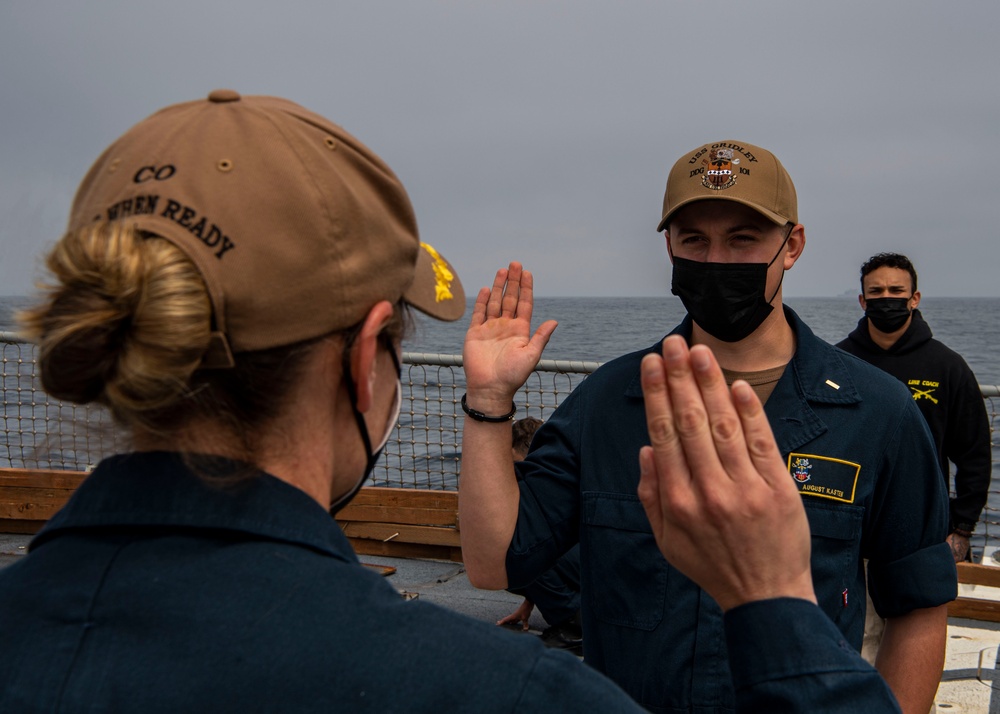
(544, 131)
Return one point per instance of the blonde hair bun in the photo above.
(125, 323)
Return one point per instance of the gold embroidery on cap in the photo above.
(224, 165)
(442, 275)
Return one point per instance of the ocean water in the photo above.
(600, 329)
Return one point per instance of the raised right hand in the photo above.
(500, 352)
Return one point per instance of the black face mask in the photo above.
(725, 299)
(373, 454)
(887, 314)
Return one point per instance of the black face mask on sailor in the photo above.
(373, 454)
(888, 314)
(725, 299)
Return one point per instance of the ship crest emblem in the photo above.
(800, 469)
(719, 169)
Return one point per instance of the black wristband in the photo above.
(479, 416)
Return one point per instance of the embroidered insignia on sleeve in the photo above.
(442, 275)
(824, 477)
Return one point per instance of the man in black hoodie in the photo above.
(894, 337)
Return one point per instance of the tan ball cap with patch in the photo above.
(297, 228)
(731, 171)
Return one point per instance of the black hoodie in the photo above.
(948, 395)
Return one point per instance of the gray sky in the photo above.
(543, 131)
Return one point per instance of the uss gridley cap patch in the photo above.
(731, 171)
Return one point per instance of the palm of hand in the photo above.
(500, 350)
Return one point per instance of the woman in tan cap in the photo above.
(234, 286)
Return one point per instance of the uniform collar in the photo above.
(158, 490)
(814, 366)
(817, 374)
(818, 369)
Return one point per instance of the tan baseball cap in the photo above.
(297, 228)
(731, 171)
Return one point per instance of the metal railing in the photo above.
(424, 451)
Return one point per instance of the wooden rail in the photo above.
(396, 522)
(28, 498)
(976, 608)
(403, 522)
